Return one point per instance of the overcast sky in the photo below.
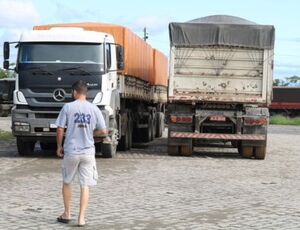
(19, 15)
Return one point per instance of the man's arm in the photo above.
(100, 131)
(61, 122)
(99, 135)
(59, 138)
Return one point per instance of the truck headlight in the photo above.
(19, 98)
(21, 127)
(98, 98)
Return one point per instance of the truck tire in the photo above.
(4, 113)
(47, 146)
(173, 150)
(186, 150)
(125, 142)
(160, 125)
(153, 127)
(109, 150)
(98, 148)
(234, 144)
(146, 133)
(260, 152)
(25, 147)
(130, 132)
(246, 151)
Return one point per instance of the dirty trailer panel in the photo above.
(221, 74)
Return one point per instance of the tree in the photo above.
(280, 82)
(3, 73)
(288, 81)
(294, 79)
(7, 73)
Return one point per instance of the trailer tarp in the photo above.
(222, 30)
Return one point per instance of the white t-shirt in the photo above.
(81, 119)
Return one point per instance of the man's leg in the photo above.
(84, 199)
(67, 193)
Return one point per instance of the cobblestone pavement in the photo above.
(146, 189)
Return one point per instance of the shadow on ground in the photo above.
(156, 148)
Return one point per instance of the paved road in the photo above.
(146, 189)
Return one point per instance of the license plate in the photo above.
(217, 118)
(53, 126)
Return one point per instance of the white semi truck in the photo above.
(220, 84)
(124, 80)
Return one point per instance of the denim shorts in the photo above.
(83, 165)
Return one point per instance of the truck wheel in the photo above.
(260, 152)
(160, 125)
(146, 132)
(173, 150)
(4, 113)
(186, 150)
(109, 150)
(25, 147)
(153, 127)
(234, 144)
(98, 148)
(130, 130)
(47, 146)
(126, 141)
(246, 151)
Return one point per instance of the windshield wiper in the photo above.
(40, 69)
(77, 68)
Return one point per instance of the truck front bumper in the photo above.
(34, 125)
(41, 124)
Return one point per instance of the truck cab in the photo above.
(48, 63)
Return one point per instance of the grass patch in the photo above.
(5, 136)
(281, 120)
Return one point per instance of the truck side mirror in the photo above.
(6, 64)
(6, 50)
(120, 57)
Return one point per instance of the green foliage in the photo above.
(293, 79)
(5, 73)
(280, 82)
(5, 136)
(281, 120)
(288, 81)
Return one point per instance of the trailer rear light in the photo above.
(217, 118)
(255, 121)
(181, 119)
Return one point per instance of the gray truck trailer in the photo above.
(220, 84)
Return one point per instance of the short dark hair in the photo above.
(80, 87)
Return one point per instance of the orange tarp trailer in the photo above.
(160, 69)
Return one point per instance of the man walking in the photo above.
(83, 120)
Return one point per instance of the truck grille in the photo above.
(46, 115)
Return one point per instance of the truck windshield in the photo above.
(61, 53)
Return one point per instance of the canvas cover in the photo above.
(222, 30)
